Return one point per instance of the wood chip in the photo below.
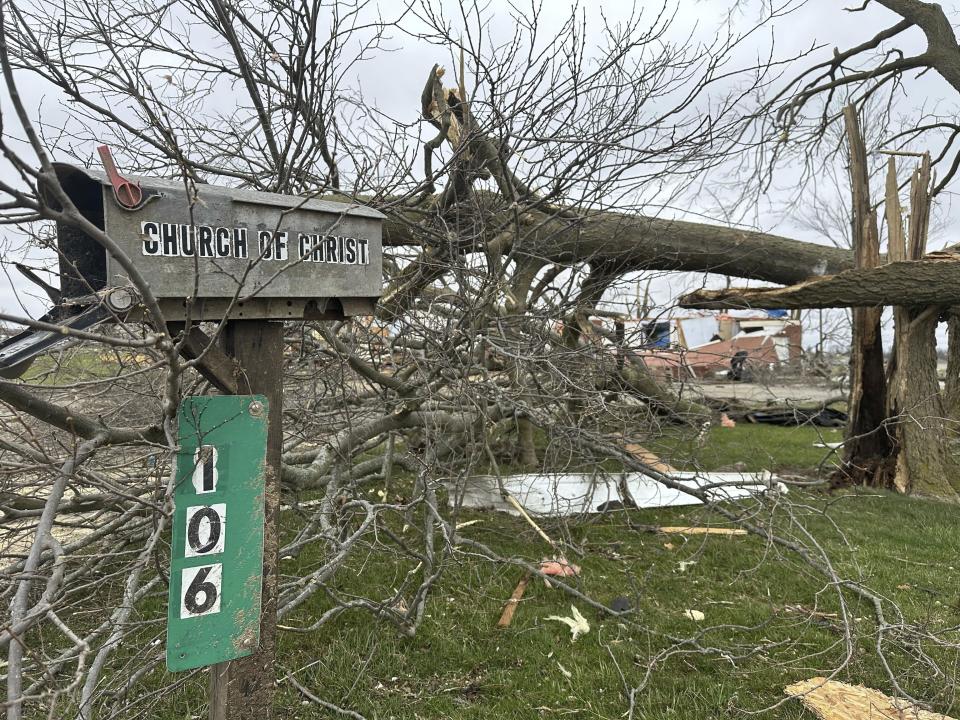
(648, 458)
(511, 605)
(701, 531)
(832, 700)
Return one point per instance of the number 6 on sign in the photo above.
(201, 590)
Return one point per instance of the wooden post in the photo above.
(243, 689)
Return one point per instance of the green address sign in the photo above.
(217, 541)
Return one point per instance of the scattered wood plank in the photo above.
(650, 459)
(511, 606)
(832, 700)
(681, 530)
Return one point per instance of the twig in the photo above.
(523, 513)
(323, 703)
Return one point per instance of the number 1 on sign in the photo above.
(205, 474)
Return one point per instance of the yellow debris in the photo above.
(702, 531)
(649, 458)
(832, 700)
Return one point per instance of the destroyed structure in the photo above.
(707, 345)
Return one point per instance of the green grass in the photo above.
(748, 447)
(756, 447)
(460, 666)
(82, 364)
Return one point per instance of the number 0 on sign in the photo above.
(217, 542)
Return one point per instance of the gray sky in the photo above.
(393, 80)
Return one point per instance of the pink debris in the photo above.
(727, 422)
(559, 567)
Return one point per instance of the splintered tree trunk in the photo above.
(951, 391)
(907, 442)
(918, 410)
(925, 465)
(867, 446)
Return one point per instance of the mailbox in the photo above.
(210, 253)
(236, 253)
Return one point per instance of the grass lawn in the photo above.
(460, 666)
(758, 607)
(755, 447)
(84, 364)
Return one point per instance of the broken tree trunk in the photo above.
(629, 243)
(517, 221)
(933, 280)
(918, 414)
(919, 419)
(867, 445)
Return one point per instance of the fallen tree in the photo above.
(932, 280)
(625, 242)
(483, 357)
(901, 422)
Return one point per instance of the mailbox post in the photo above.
(249, 259)
(244, 688)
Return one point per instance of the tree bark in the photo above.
(918, 410)
(867, 445)
(933, 280)
(627, 243)
(951, 390)
(925, 464)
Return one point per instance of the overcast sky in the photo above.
(393, 80)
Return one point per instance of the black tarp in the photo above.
(823, 417)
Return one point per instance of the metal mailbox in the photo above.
(235, 253)
(207, 253)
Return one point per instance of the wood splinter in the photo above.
(511, 605)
